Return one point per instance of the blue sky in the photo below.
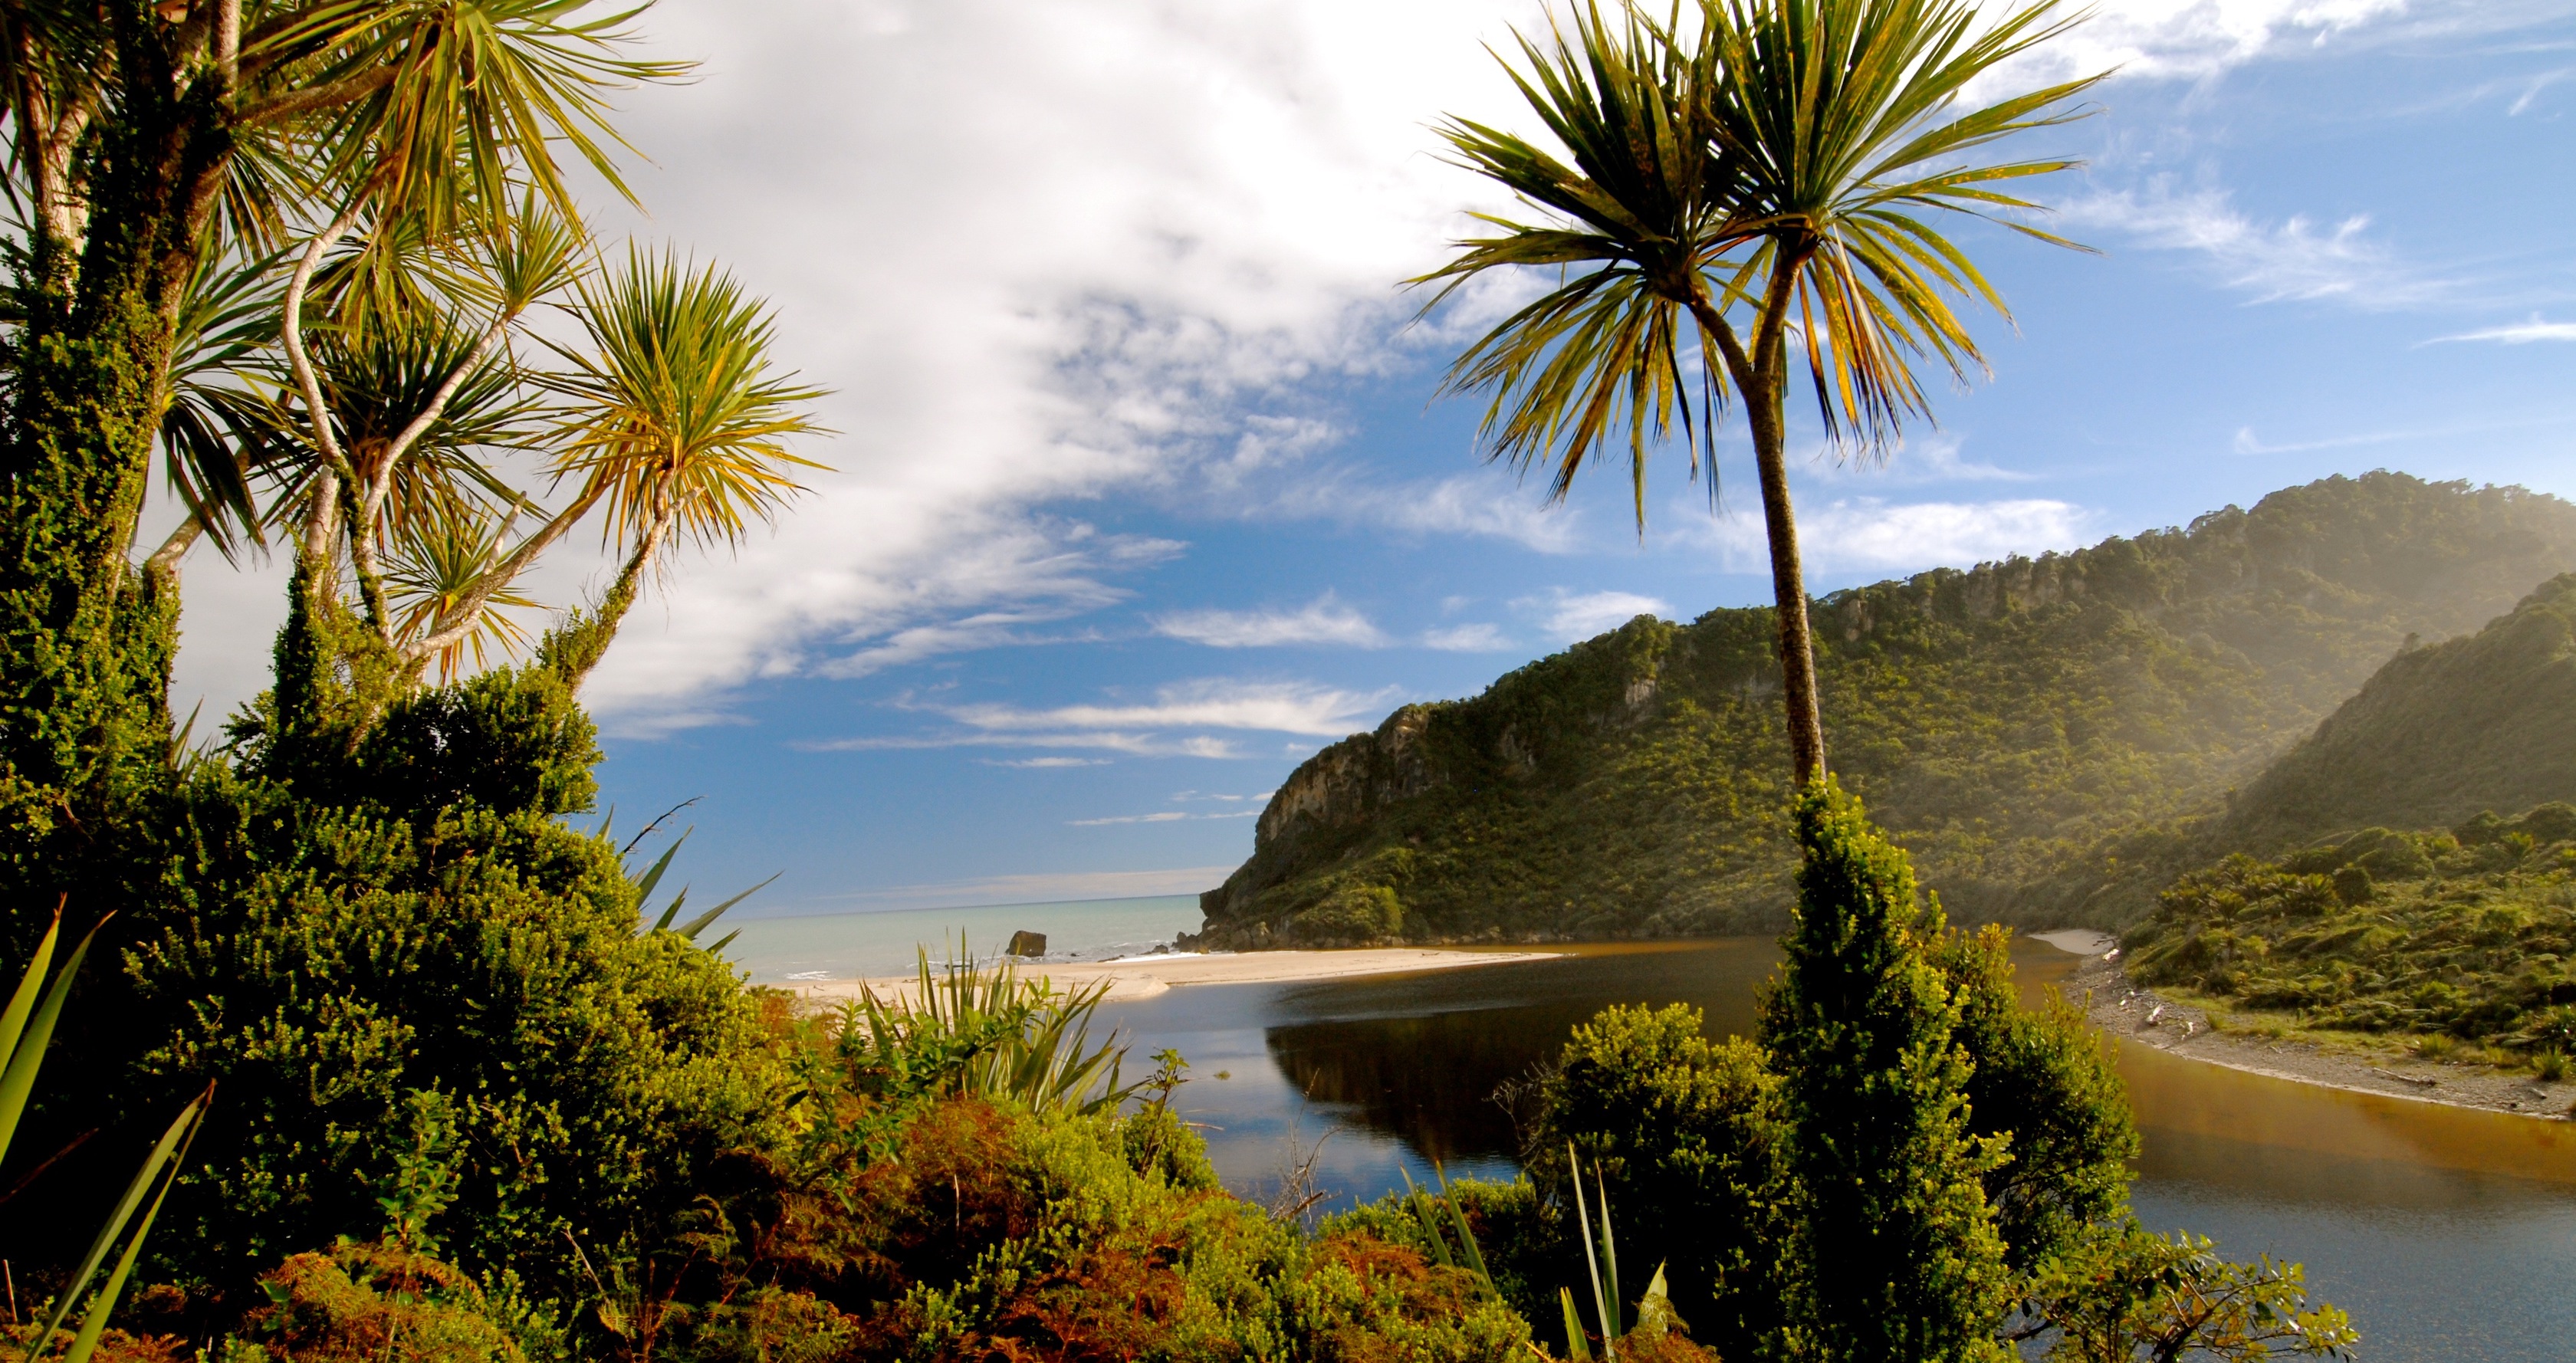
(1139, 497)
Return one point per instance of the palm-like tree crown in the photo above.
(679, 425)
(1838, 114)
(1776, 157)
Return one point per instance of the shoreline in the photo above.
(2120, 1008)
(1143, 977)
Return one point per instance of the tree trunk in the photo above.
(577, 648)
(1788, 588)
(1761, 378)
(85, 639)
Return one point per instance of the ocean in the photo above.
(843, 946)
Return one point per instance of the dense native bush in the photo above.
(989, 1231)
(1905, 1144)
(469, 989)
(2041, 1082)
(2463, 933)
(1685, 1137)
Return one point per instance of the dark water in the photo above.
(2447, 1234)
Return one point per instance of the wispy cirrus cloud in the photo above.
(2296, 258)
(1269, 707)
(1164, 816)
(1876, 535)
(1325, 620)
(1476, 637)
(2517, 333)
(1570, 615)
(1176, 723)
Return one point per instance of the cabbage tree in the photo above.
(1747, 189)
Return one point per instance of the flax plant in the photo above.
(1761, 181)
(982, 1031)
(26, 1029)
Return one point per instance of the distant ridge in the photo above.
(2485, 723)
(2050, 737)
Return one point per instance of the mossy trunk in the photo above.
(86, 639)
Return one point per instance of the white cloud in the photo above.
(2519, 333)
(1870, 534)
(1325, 620)
(1159, 729)
(2293, 259)
(2192, 39)
(1272, 707)
(1041, 888)
(1043, 763)
(1167, 816)
(1469, 638)
(1571, 616)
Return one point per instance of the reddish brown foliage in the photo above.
(375, 1304)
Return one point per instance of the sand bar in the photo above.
(2140, 1016)
(1142, 977)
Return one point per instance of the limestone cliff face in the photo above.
(2041, 732)
(1345, 789)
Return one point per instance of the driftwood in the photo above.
(2404, 1078)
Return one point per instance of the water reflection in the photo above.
(2447, 1233)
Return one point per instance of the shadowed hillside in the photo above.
(2052, 738)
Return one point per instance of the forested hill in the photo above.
(2051, 737)
(2483, 723)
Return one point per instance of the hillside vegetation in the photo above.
(2053, 739)
(2465, 934)
(2483, 722)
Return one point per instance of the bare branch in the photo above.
(291, 331)
(502, 575)
(164, 562)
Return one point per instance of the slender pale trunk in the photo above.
(460, 620)
(320, 541)
(164, 563)
(1762, 378)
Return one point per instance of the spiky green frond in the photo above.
(1840, 116)
(1605, 354)
(676, 419)
(430, 578)
(454, 100)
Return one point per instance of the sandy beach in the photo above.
(1141, 977)
(2143, 1017)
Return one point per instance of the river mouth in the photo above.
(2447, 1233)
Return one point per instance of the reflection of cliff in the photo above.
(1419, 1057)
(2045, 735)
(1424, 1079)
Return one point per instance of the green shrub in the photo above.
(1688, 1136)
(1894, 1246)
(373, 1303)
(2043, 1084)
(330, 967)
(1354, 915)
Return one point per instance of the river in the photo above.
(2447, 1233)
